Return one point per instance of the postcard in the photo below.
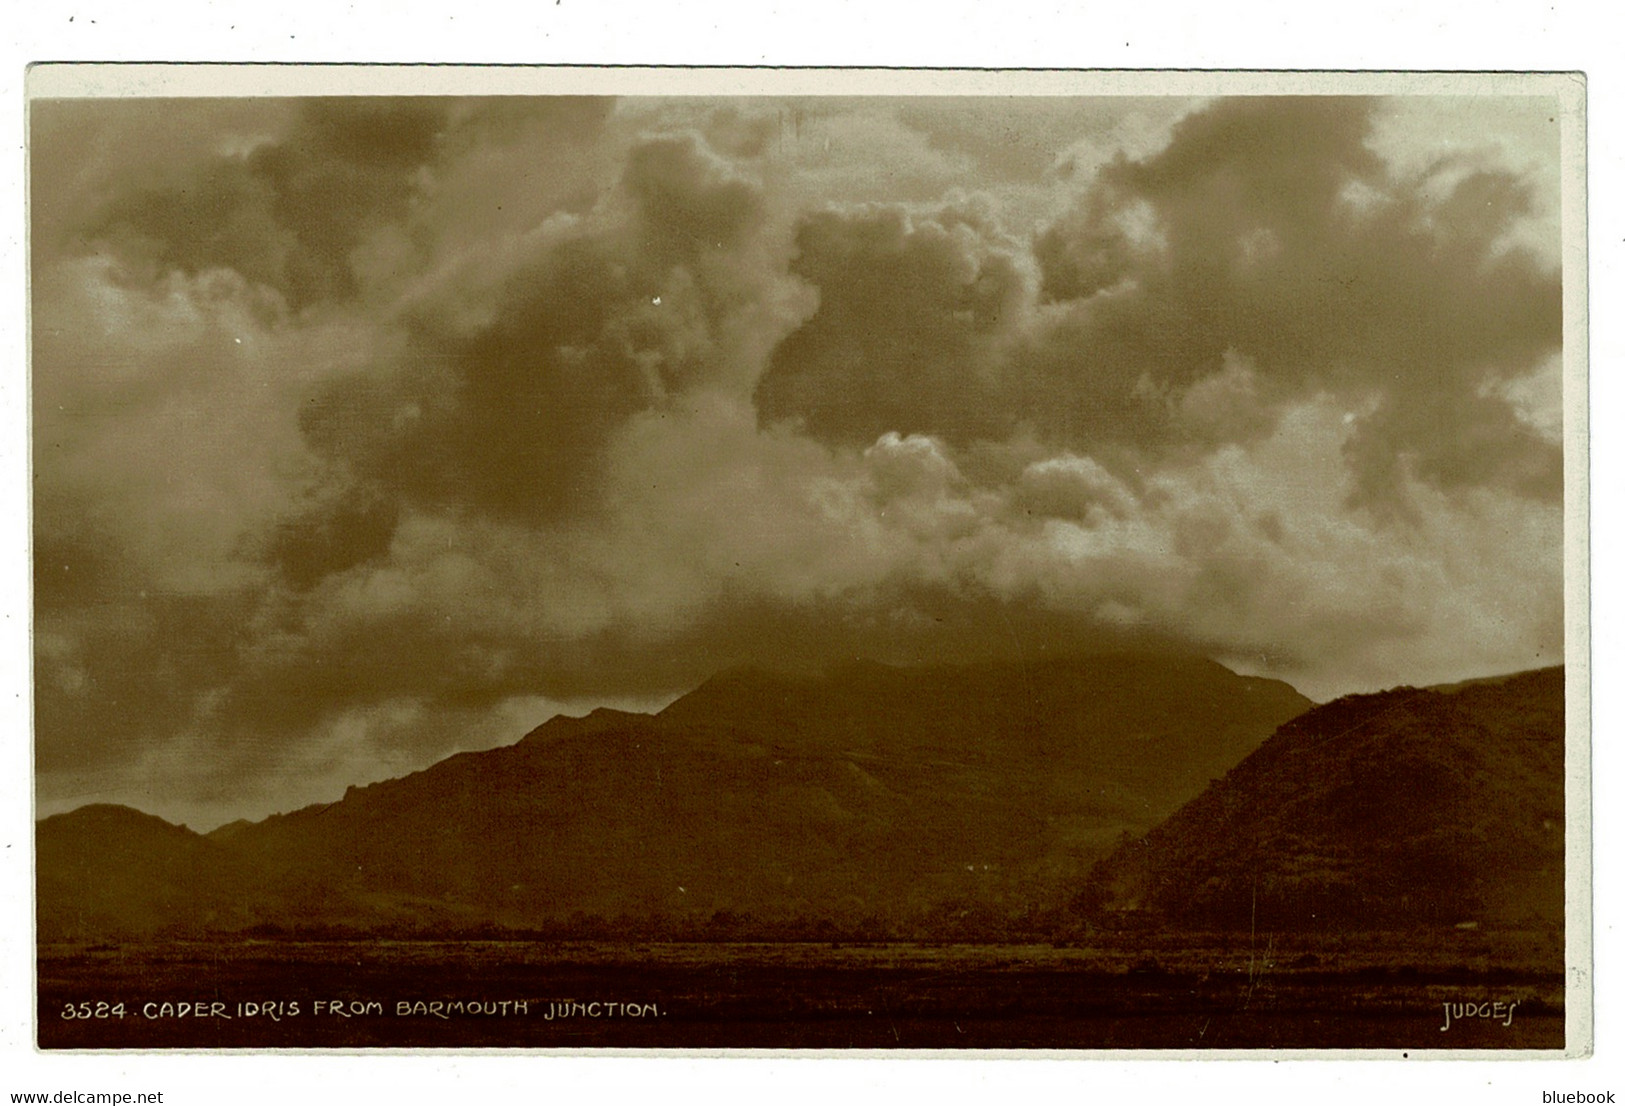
(933, 561)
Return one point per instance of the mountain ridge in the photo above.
(1412, 806)
(867, 796)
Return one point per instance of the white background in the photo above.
(1256, 34)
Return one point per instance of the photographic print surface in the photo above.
(967, 569)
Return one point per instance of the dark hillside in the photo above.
(109, 871)
(1409, 807)
(950, 800)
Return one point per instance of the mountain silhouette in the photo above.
(870, 792)
(106, 871)
(1410, 807)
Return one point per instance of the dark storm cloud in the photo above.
(120, 677)
(338, 529)
(507, 415)
(1266, 235)
(288, 211)
(1278, 235)
(88, 156)
(688, 201)
(913, 314)
(505, 410)
(289, 196)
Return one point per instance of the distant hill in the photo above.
(931, 794)
(1405, 808)
(109, 871)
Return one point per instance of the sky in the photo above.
(366, 430)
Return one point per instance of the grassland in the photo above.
(1123, 991)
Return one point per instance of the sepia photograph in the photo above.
(730, 560)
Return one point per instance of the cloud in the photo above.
(165, 421)
(367, 432)
(914, 311)
(1272, 231)
(285, 212)
(506, 385)
(1266, 233)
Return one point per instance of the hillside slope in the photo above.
(1409, 807)
(108, 871)
(868, 793)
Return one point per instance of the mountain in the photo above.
(867, 793)
(1406, 808)
(109, 871)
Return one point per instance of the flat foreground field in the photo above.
(1218, 992)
